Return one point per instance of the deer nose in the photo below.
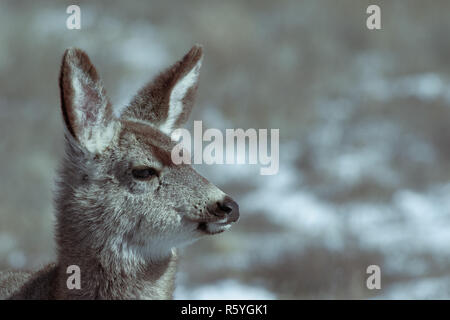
(227, 208)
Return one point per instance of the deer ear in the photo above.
(86, 110)
(167, 101)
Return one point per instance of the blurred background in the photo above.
(364, 119)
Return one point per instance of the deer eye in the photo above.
(145, 173)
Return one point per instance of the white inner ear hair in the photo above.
(101, 137)
(176, 97)
(95, 133)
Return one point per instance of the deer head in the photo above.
(119, 190)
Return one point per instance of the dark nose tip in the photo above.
(229, 208)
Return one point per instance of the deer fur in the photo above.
(119, 228)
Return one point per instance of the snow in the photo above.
(229, 289)
(428, 288)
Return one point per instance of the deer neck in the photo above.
(116, 280)
(108, 267)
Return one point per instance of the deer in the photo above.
(122, 207)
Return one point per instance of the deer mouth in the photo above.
(213, 227)
(220, 216)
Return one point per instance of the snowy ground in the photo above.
(410, 229)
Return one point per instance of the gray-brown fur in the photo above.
(156, 93)
(119, 229)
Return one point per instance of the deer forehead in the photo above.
(147, 141)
